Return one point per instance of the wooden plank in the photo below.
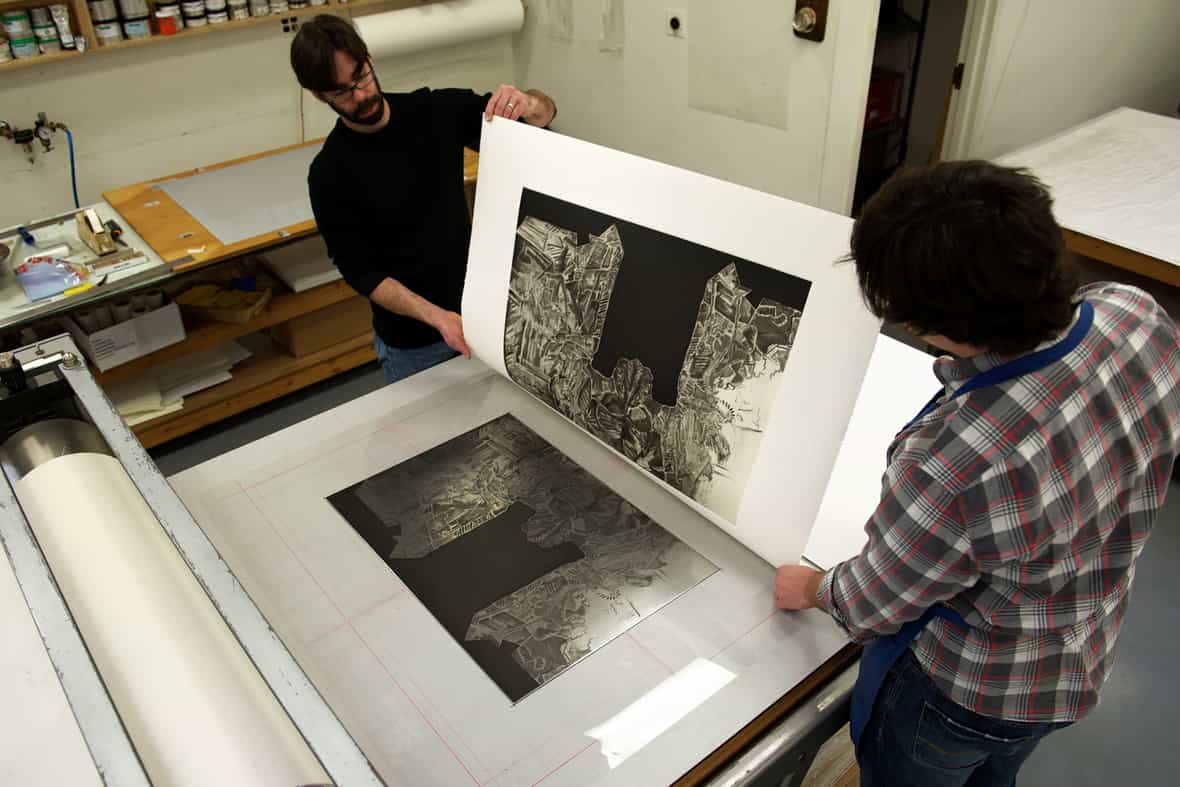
(1122, 257)
(732, 748)
(212, 334)
(268, 375)
(39, 60)
(171, 231)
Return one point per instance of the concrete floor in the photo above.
(1126, 741)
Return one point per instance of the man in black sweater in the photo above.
(387, 190)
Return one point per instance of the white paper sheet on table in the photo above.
(1117, 178)
(249, 199)
(835, 335)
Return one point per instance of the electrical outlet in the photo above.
(674, 22)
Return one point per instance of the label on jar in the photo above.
(103, 10)
(137, 28)
(24, 47)
(217, 17)
(214, 5)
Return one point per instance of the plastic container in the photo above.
(214, 6)
(217, 17)
(195, 21)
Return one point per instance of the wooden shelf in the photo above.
(268, 374)
(205, 335)
(12, 65)
(86, 27)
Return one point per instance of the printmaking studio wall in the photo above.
(733, 94)
(1053, 64)
(146, 112)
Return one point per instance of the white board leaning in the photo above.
(702, 329)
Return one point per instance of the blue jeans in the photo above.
(918, 736)
(400, 363)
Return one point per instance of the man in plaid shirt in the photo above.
(1001, 556)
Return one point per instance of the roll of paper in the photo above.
(194, 706)
(438, 24)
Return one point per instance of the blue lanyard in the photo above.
(1017, 366)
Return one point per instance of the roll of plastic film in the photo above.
(153, 299)
(121, 310)
(87, 320)
(194, 706)
(103, 316)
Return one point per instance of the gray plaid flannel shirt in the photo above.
(1023, 507)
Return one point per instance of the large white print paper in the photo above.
(701, 329)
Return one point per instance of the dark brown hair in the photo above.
(314, 48)
(969, 250)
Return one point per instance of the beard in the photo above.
(367, 113)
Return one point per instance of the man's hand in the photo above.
(795, 587)
(450, 325)
(510, 102)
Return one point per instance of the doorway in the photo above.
(916, 69)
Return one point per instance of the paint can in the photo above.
(103, 10)
(193, 7)
(259, 8)
(319, 2)
(17, 25)
(133, 10)
(108, 33)
(214, 6)
(24, 47)
(195, 21)
(168, 20)
(278, 6)
(239, 9)
(217, 17)
(47, 38)
(40, 17)
(293, 4)
(137, 28)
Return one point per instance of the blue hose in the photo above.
(73, 171)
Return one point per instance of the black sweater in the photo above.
(391, 204)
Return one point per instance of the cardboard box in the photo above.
(128, 340)
(324, 327)
(220, 304)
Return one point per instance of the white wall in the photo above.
(1053, 64)
(149, 111)
(647, 99)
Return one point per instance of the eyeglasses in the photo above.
(363, 83)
